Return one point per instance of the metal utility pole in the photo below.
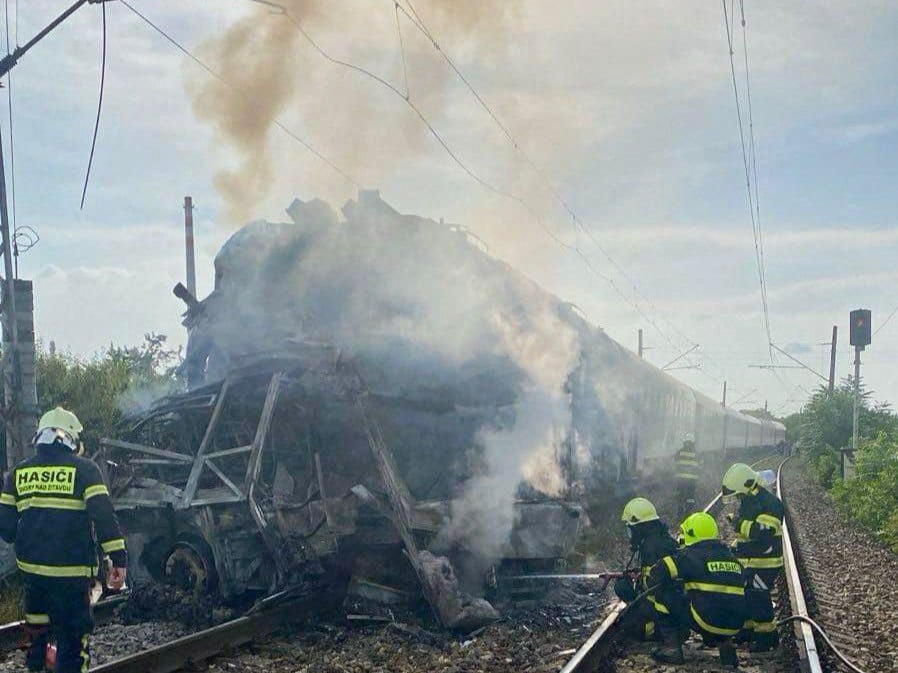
(640, 342)
(724, 402)
(188, 242)
(857, 396)
(832, 359)
(16, 415)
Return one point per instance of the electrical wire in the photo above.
(886, 321)
(457, 159)
(416, 20)
(93, 144)
(283, 127)
(408, 92)
(756, 234)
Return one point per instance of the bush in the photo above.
(869, 498)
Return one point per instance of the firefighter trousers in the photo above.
(685, 497)
(760, 626)
(60, 605)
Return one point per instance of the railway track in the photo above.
(605, 640)
(283, 612)
(820, 620)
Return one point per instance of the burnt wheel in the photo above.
(190, 565)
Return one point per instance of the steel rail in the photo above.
(806, 644)
(273, 614)
(599, 644)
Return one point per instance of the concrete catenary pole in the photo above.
(188, 243)
(832, 359)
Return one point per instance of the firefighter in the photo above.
(713, 582)
(50, 506)
(650, 541)
(759, 548)
(686, 462)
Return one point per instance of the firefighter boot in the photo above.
(36, 655)
(764, 642)
(671, 649)
(727, 651)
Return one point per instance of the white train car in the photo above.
(630, 413)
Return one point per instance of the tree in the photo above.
(103, 389)
(826, 423)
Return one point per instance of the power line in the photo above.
(93, 143)
(402, 50)
(756, 233)
(285, 129)
(416, 19)
(886, 321)
(483, 182)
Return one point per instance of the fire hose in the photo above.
(782, 622)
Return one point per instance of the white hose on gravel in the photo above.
(819, 629)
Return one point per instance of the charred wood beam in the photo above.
(142, 448)
(227, 452)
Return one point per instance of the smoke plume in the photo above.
(270, 72)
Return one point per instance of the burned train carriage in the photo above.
(372, 384)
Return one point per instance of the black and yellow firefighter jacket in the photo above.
(686, 462)
(50, 506)
(759, 531)
(652, 542)
(712, 579)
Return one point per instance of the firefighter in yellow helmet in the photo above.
(649, 541)
(56, 509)
(686, 463)
(712, 580)
(759, 548)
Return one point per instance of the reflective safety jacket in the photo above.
(713, 582)
(652, 541)
(50, 506)
(759, 530)
(686, 462)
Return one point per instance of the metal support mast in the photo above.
(15, 415)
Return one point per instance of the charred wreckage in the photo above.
(359, 409)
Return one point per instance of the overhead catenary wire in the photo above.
(93, 143)
(756, 233)
(886, 321)
(401, 49)
(209, 70)
(416, 19)
(483, 182)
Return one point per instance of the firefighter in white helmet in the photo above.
(759, 548)
(56, 509)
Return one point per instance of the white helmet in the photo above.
(688, 437)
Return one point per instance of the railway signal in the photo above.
(861, 336)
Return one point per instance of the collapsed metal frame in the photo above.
(402, 503)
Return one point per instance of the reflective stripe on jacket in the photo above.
(51, 506)
(759, 530)
(714, 585)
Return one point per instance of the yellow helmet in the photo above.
(697, 527)
(740, 478)
(638, 510)
(59, 424)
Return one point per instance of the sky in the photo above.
(624, 114)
